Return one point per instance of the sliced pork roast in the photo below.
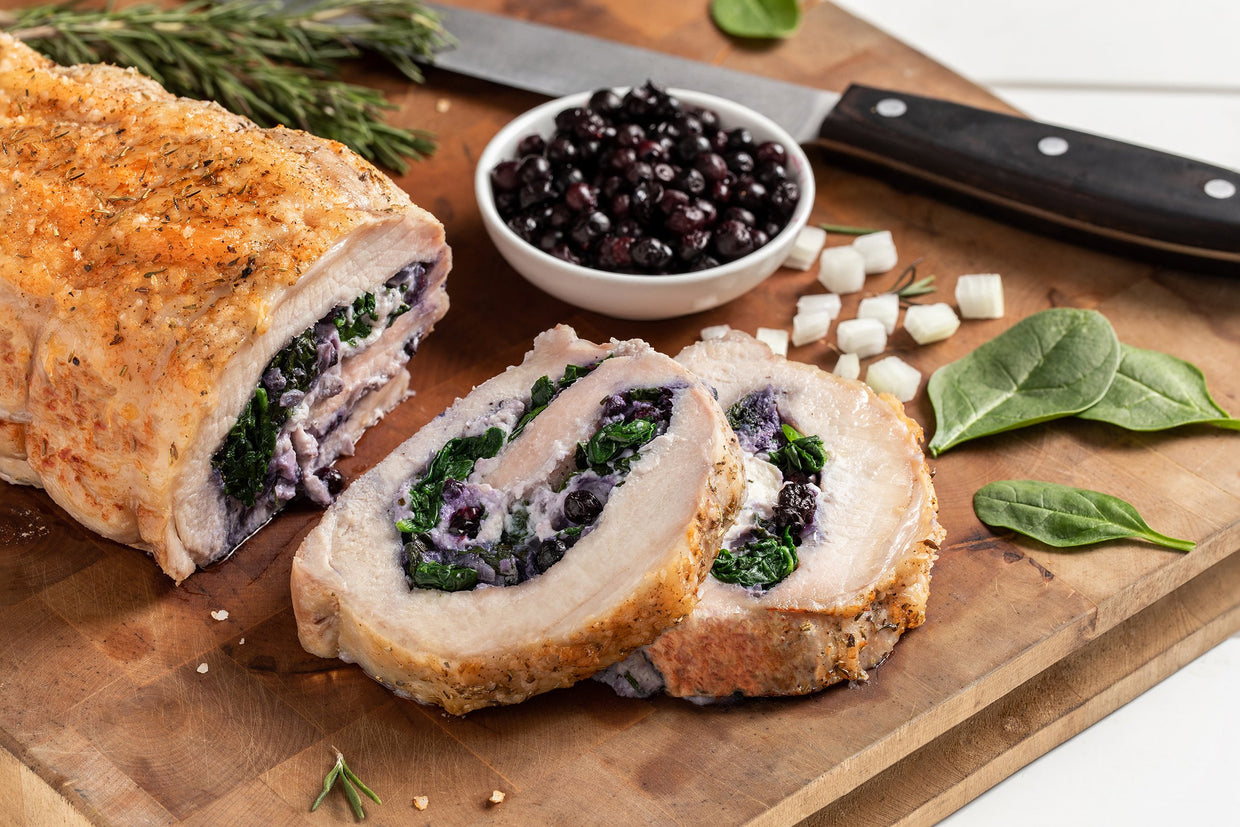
(554, 520)
(829, 560)
(200, 315)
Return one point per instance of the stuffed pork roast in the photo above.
(829, 560)
(546, 525)
(200, 315)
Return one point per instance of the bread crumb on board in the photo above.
(421, 802)
(220, 614)
(202, 668)
(497, 797)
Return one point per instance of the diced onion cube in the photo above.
(884, 307)
(980, 296)
(864, 337)
(841, 269)
(809, 327)
(774, 338)
(895, 376)
(806, 247)
(878, 250)
(848, 366)
(819, 303)
(715, 331)
(928, 323)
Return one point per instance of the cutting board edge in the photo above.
(1064, 711)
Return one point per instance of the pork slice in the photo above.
(633, 575)
(864, 568)
(157, 253)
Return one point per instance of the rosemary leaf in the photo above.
(328, 782)
(355, 801)
(350, 782)
(274, 62)
(908, 286)
(357, 782)
(917, 288)
(843, 229)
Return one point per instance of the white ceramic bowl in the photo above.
(628, 296)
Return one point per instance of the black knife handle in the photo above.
(1129, 193)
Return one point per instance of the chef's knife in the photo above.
(1082, 181)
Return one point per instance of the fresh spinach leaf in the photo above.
(756, 18)
(1063, 516)
(1052, 364)
(1153, 391)
(799, 454)
(761, 563)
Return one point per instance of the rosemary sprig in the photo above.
(274, 62)
(340, 772)
(908, 286)
(844, 229)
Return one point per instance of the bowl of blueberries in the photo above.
(644, 203)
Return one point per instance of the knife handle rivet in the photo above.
(1052, 145)
(891, 107)
(1220, 188)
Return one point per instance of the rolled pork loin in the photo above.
(829, 560)
(201, 315)
(546, 525)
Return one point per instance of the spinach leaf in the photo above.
(574, 372)
(428, 574)
(1153, 391)
(1062, 516)
(603, 450)
(455, 460)
(800, 454)
(242, 459)
(762, 562)
(1054, 363)
(756, 18)
(298, 362)
(544, 390)
(246, 452)
(356, 321)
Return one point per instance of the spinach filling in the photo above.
(769, 551)
(244, 459)
(454, 461)
(441, 543)
(251, 442)
(354, 323)
(544, 390)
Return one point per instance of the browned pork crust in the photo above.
(155, 252)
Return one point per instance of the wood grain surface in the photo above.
(109, 721)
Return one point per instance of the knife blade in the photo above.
(1083, 183)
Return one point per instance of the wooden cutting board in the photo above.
(108, 719)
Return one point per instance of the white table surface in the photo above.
(1165, 75)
